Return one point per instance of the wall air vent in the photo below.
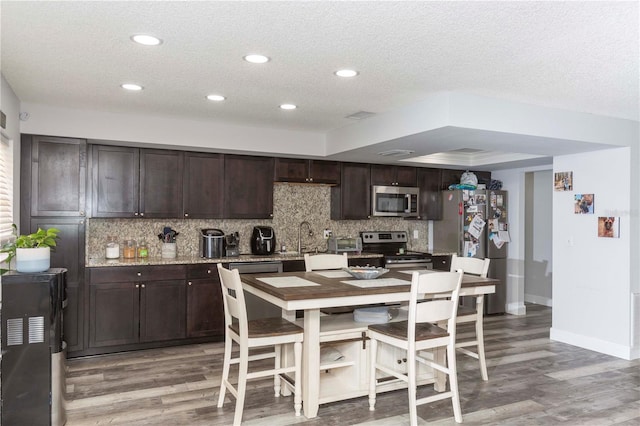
(396, 153)
(360, 115)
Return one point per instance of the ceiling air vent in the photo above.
(360, 115)
(396, 153)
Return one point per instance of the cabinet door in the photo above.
(291, 170)
(324, 172)
(114, 314)
(205, 309)
(202, 190)
(430, 194)
(441, 262)
(58, 176)
(69, 254)
(115, 181)
(161, 183)
(248, 187)
(382, 175)
(162, 310)
(352, 199)
(405, 176)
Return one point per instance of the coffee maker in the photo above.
(232, 244)
(263, 240)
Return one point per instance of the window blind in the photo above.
(6, 188)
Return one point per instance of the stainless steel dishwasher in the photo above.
(256, 307)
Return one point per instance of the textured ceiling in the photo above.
(579, 56)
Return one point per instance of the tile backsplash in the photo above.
(292, 204)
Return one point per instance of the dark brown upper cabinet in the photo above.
(56, 174)
(132, 182)
(115, 181)
(248, 187)
(307, 171)
(430, 194)
(352, 199)
(393, 175)
(203, 185)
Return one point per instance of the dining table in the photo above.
(312, 292)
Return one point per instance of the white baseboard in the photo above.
(586, 342)
(538, 300)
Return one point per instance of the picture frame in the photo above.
(608, 227)
(584, 204)
(563, 181)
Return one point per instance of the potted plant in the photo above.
(32, 251)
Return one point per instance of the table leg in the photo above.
(287, 353)
(311, 363)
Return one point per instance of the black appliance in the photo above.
(263, 240)
(33, 350)
(211, 243)
(393, 245)
(232, 244)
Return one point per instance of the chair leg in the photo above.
(277, 365)
(297, 397)
(243, 368)
(453, 382)
(228, 343)
(372, 373)
(480, 337)
(412, 389)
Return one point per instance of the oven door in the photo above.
(394, 201)
(408, 263)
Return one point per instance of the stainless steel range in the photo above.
(393, 245)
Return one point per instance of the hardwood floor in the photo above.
(532, 381)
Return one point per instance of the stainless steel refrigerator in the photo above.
(475, 224)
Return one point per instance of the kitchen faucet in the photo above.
(300, 234)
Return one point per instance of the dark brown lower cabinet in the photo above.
(205, 310)
(131, 305)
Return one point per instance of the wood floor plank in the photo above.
(532, 381)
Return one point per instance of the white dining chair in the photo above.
(255, 334)
(325, 261)
(467, 314)
(420, 333)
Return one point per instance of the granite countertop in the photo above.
(182, 260)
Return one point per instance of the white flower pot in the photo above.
(33, 259)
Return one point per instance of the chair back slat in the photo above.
(444, 288)
(470, 265)
(233, 298)
(319, 262)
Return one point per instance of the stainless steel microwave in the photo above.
(398, 201)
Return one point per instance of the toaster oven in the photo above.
(344, 244)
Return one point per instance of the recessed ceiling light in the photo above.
(131, 86)
(147, 40)
(288, 106)
(346, 73)
(216, 98)
(256, 59)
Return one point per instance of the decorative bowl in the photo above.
(365, 272)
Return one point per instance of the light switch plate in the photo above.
(416, 234)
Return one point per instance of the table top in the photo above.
(318, 286)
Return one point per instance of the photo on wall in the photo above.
(609, 227)
(584, 204)
(563, 181)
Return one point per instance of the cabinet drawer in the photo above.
(137, 273)
(204, 270)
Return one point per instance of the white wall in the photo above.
(538, 241)
(592, 289)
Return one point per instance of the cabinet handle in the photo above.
(399, 361)
(135, 213)
(186, 215)
(137, 285)
(141, 214)
(189, 282)
(310, 179)
(139, 274)
(403, 359)
(208, 271)
(142, 285)
(81, 213)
